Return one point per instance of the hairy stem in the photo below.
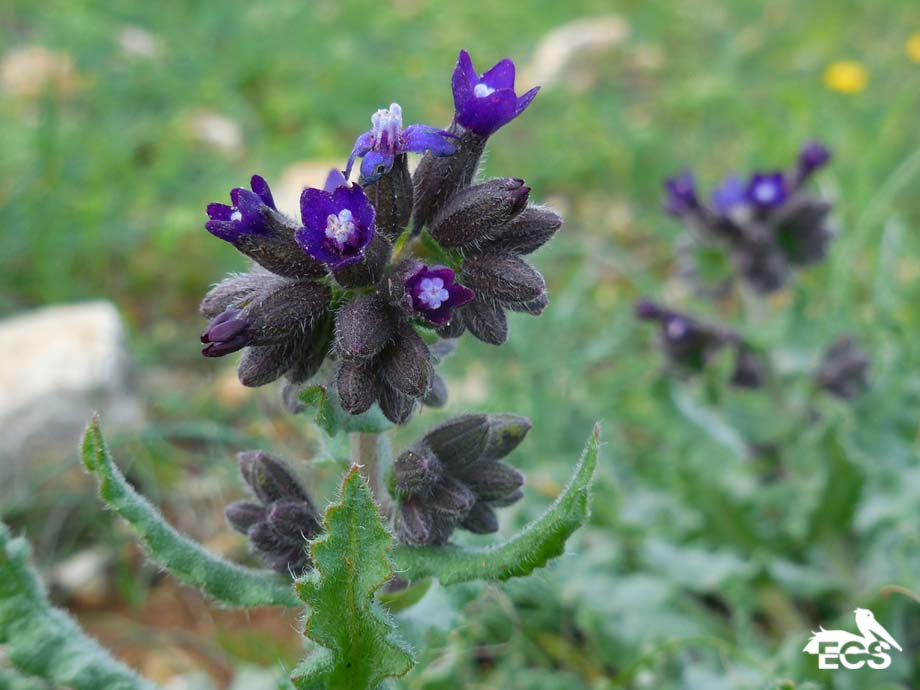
(365, 452)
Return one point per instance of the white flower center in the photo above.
(765, 192)
(236, 215)
(482, 90)
(431, 292)
(341, 228)
(676, 329)
(387, 126)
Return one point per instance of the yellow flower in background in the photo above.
(913, 47)
(846, 76)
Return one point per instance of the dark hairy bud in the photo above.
(506, 431)
(460, 441)
(491, 480)
(263, 364)
(748, 371)
(392, 198)
(233, 292)
(370, 268)
(277, 250)
(452, 498)
(416, 471)
(293, 519)
(287, 311)
(437, 395)
(481, 519)
(801, 230)
(396, 407)
(844, 369)
(527, 232)
(406, 363)
(358, 385)
(363, 327)
(436, 179)
(270, 478)
(414, 523)
(486, 320)
(309, 358)
(476, 213)
(503, 277)
(244, 514)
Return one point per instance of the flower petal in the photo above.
(219, 211)
(525, 100)
(262, 190)
(315, 207)
(363, 144)
(421, 138)
(375, 164)
(501, 76)
(334, 179)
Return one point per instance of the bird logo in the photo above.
(836, 648)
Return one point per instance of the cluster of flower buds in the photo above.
(844, 369)
(281, 519)
(689, 344)
(770, 223)
(331, 286)
(453, 477)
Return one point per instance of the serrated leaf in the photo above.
(540, 541)
(322, 403)
(42, 641)
(358, 647)
(228, 583)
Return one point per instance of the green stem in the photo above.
(365, 453)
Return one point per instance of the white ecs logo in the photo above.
(853, 651)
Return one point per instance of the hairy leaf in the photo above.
(228, 583)
(540, 541)
(323, 403)
(45, 642)
(357, 645)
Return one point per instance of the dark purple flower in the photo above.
(813, 155)
(767, 190)
(435, 293)
(379, 147)
(225, 334)
(245, 217)
(729, 194)
(681, 190)
(337, 226)
(486, 103)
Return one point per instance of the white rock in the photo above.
(30, 71)
(216, 130)
(568, 54)
(137, 41)
(57, 365)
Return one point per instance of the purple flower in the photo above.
(434, 293)
(225, 334)
(246, 216)
(387, 139)
(729, 194)
(334, 179)
(813, 155)
(767, 190)
(337, 226)
(681, 191)
(483, 104)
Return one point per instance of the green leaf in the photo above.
(323, 404)
(540, 541)
(230, 584)
(45, 642)
(358, 648)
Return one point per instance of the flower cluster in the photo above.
(350, 282)
(454, 478)
(689, 344)
(770, 223)
(281, 519)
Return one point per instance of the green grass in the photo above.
(701, 569)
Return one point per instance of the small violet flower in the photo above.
(681, 191)
(246, 216)
(334, 179)
(767, 190)
(483, 104)
(435, 293)
(729, 194)
(337, 225)
(387, 139)
(225, 334)
(813, 156)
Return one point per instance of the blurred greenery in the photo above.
(705, 565)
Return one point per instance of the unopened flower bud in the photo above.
(844, 369)
(363, 327)
(485, 320)
(476, 213)
(414, 522)
(814, 155)
(244, 514)
(748, 372)
(406, 363)
(526, 233)
(504, 278)
(460, 441)
(506, 431)
(490, 480)
(270, 478)
(392, 197)
(358, 385)
(451, 498)
(416, 471)
(481, 519)
(370, 268)
(294, 519)
(228, 332)
(437, 394)
(396, 406)
(233, 292)
(262, 365)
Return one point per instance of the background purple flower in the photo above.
(767, 190)
(337, 226)
(681, 191)
(729, 194)
(245, 217)
(485, 103)
(387, 139)
(435, 293)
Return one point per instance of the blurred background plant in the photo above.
(726, 526)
